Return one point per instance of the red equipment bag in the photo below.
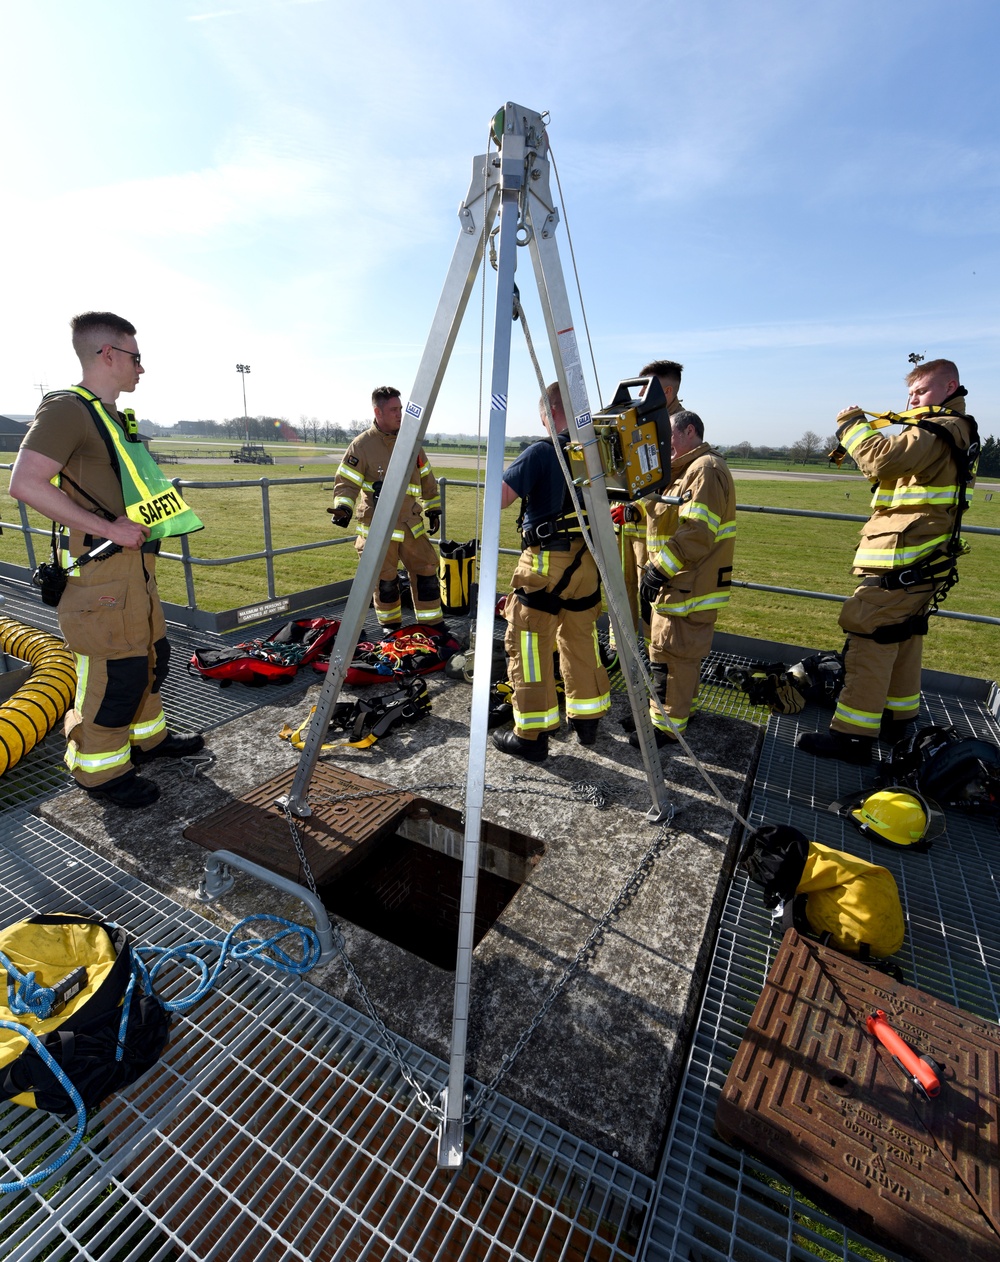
(407, 651)
(272, 659)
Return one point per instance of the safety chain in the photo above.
(388, 1042)
(189, 768)
(597, 793)
(581, 960)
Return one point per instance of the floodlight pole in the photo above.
(243, 369)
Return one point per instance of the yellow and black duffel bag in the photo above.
(74, 990)
(850, 903)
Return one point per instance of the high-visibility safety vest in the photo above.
(150, 499)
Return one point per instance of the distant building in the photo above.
(13, 430)
(11, 433)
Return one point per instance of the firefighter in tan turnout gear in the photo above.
(554, 605)
(361, 473)
(687, 577)
(907, 555)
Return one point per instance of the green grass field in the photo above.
(803, 553)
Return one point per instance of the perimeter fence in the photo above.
(267, 603)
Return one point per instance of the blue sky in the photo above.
(788, 197)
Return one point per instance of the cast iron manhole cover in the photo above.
(813, 1094)
(343, 825)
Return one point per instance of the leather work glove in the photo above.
(433, 520)
(651, 582)
(621, 513)
(341, 516)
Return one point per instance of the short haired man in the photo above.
(689, 572)
(907, 546)
(361, 473)
(80, 466)
(554, 603)
(638, 522)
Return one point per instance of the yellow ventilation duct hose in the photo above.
(38, 705)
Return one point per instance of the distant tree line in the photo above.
(989, 461)
(810, 448)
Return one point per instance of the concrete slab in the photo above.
(606, 1061)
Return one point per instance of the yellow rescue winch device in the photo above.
(633, 437)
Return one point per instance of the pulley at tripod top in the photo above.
(633, 438)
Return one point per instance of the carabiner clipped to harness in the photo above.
(366, 721)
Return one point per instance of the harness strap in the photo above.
(551, 601)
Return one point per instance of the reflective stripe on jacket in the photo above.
(916, 492)
(694, 542)
(365, 462)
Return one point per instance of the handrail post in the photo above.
(442, 529)
(188, 568)
(265, 498)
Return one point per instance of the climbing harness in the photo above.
(367, 720)
(623, 616)
(939, 570)
(402, 653)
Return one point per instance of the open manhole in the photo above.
(407, 889)
(382, 858)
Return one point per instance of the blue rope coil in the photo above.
(30, 999)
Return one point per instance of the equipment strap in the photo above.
(366, 721)
(551, 601)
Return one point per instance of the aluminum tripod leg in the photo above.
(476, 216)
(450, 1141)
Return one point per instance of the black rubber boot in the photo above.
(586, 730)
(856, 750)
(509, 742)
(129, 791)
(892, 729)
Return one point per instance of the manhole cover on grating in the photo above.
(343, 825)
(810, 1092)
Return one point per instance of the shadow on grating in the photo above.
(203, 1161)
(277, 1126)
(713, 1202)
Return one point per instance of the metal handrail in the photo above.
(269, 552)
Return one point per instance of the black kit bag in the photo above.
(91, 967)
(954, 771)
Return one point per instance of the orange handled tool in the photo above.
(922, 1072)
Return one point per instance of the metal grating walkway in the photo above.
(714, 1203)
(277, 1127)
